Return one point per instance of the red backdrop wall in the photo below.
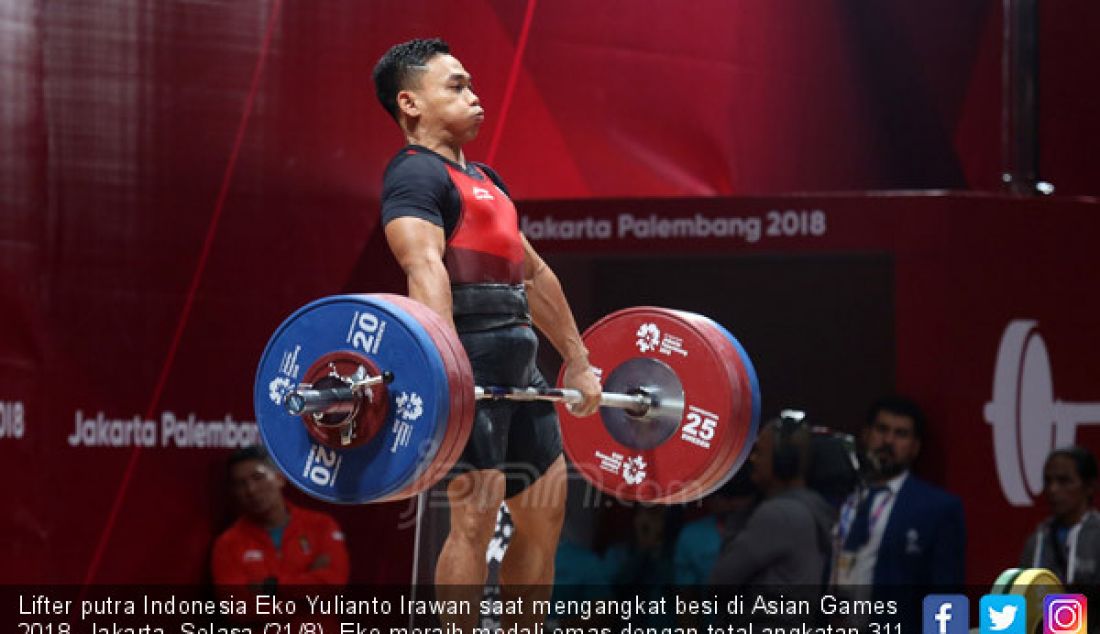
(178, 176)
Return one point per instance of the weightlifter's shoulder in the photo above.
(413, 159)
(415, 184)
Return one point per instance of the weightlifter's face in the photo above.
(892, 440)
(443, 102)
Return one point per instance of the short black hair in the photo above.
(393, 70)
(1082, 459)
(899, 406)
(251, 452)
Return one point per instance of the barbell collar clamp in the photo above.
(331, 400)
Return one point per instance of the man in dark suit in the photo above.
(899, 530)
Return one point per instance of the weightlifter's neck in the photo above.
(446, 148)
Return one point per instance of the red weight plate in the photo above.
(461, 382)
(448, 341)
(738, 441)
(744, 424)
(673, 469)
(740, 438)
(371, 415)
(724, 452)
(440, 448)
(461, 423)
(744, 437)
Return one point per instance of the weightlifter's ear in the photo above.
(408, 103)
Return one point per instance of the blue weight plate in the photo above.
(419, 401)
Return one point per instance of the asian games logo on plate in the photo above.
(649, 337)
(409, 405)
(634, 470)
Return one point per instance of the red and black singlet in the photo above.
(470, 204)
(484, 254)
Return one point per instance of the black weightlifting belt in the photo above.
(479, 307)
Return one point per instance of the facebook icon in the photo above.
(946, 614)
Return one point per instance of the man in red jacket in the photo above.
(274, 543)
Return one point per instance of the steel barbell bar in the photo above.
(339, 399)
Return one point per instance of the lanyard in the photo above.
(878, 506)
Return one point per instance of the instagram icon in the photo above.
(1065, 614)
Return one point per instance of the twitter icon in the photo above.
(1002, 614)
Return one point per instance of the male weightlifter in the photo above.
(454, 230)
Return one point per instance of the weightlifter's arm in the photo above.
(418, 246)
(551, 313)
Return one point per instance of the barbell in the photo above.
(371, 398)
(348, 392)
